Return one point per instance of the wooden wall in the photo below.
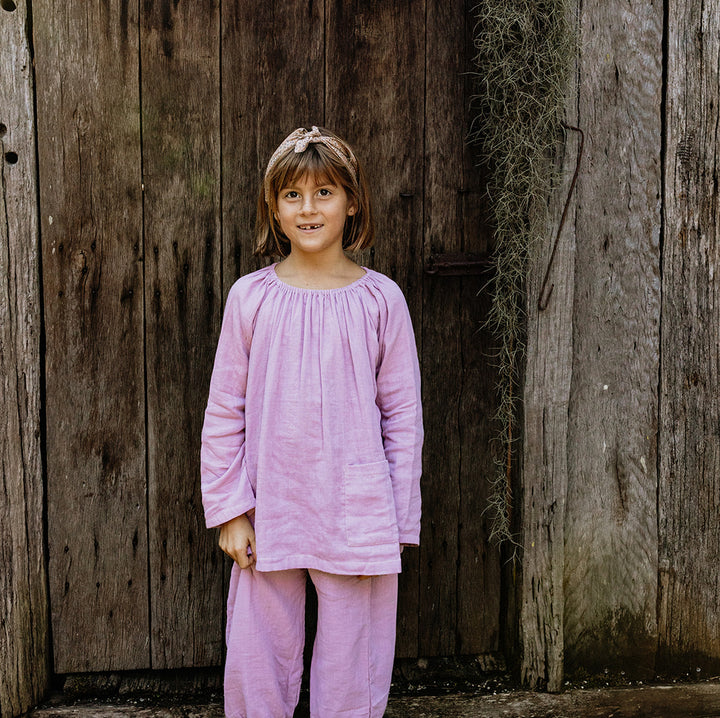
(153, 124)
(620, 570)
(24, 637)
(155, 121)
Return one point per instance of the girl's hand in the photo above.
(236, 536)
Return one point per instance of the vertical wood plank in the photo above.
(545, 472)
(462, 571)
(479, 569)
(24, 646)
(91, 222)
(180, 57)
(442, 346)
(374, 98)
(479, 566)
(548, 374)
(272, 82)
(611, 514)
(689, 495)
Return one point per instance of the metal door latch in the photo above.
(458, 264)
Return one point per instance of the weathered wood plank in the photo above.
(374, 98)
(91, 222)
(180, 59)
(24, 646)
(479, 569)
(611, 514)
(689, 493)
(273, 58)
(442, 346)
(461, 611)
(548, 373)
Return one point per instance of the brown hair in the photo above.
(322, 163)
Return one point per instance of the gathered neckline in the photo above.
(307, 290)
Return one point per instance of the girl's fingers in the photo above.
(247, 554)
(239, 555)
(243, 560)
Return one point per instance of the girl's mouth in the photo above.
(309, 226)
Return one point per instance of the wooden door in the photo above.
(154, 125)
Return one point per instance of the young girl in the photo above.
(311, 445)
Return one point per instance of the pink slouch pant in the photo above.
(352, 656)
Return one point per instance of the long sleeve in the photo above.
(398, 397)
(226, 489)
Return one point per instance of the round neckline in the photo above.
(309, 290)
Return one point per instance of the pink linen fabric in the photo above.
(314, 419)
(352, 655)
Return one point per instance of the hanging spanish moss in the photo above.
(524, 51)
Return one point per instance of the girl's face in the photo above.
(312, 215)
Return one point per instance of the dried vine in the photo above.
(524, 51)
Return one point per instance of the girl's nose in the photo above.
(307, 206)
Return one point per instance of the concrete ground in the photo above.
(697, 700)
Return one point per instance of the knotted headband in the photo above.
(299, 139)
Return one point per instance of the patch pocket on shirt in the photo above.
(369, 505)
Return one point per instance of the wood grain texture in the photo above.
(220, 84)
(180, 60)
(611, 515)
(442, 342)
(459, 600)
(24, 616)
(689, 493)
(479, 569)
(548, 373)
(374, 98)
(273, 58)
(479, 579)
(86, 58)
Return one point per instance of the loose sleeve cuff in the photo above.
(410, 538)
(218, 518)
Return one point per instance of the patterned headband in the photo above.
(299, 139)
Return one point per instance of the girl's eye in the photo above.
(291, 194)
(324, 192)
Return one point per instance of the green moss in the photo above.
(203, 186)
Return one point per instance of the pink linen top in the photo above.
(314, 419)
